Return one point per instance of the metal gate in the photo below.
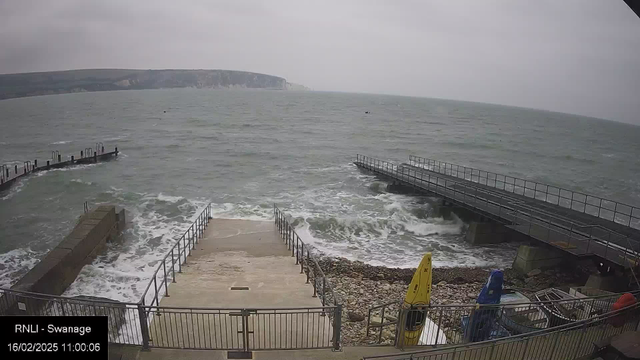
(244, 330)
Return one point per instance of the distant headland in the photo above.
(71, 81)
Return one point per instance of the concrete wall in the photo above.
(486, 233)
(534, 257)
(60, 267)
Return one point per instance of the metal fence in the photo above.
(245, 329)
(565, 342)
(611, 210)
(174, 259)
(308, 263)
(456, 324)
(561, 232)
(191, 328)
(9, 173)
(123, 318)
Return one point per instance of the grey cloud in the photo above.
(577, 56)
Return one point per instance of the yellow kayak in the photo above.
(418, 294)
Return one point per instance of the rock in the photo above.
(472, 295)
(376, 320)
(387, 334)
(528, 280)
(534, 272)
(390, 318)
(380, 276)
(355, 316)
(441, 283)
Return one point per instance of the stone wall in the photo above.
(60, 267)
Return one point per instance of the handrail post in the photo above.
(144, 327)
(315, 284)
(302, 261)
(155, 287)
(179, 258)
(337, 326)
(308, 265)
(173, 266)
(166, 286)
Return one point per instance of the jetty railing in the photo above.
(456, 324)
(565, 342)
(607, 209)
(308, 262)
(174, 259)
(577, 238)
(9, 174)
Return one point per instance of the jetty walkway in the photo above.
(583, 225)
(10, 173)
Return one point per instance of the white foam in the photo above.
(15, 264)
(115, 138)
(15, 189)
(124, 271)
(61, 142)
(168, 198)
(70, 168)
(80, 181)
(382, 229)
(242, 211)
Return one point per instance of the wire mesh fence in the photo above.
(457, 324)
(565, 342)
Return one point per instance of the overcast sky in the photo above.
(546, 54)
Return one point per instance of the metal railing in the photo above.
(308, 262)
(577, 238)
(611, 210)
(10, 173)
(193, 328)
(457, 324)
(174, 259)
(244, 329)
(565, 342)
(123, 318)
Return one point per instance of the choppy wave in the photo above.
(15, 263)
(153, 227)
(70, 168)
(80, 181)
(15, 189)
(116, 138)
(375, 227)
(61, 142)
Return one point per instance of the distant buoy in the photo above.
(165, 111)
(366, 112)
